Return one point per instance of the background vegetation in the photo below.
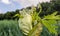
(9, 26)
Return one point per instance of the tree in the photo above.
(1, 16)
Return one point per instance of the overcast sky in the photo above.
(11, 5)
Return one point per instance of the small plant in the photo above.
(31, 24)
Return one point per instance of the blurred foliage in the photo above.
(9, 28)
(9, 15)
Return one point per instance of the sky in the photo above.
(12, 5)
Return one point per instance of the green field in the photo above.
(10, 28)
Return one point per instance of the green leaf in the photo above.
(50, 25)
(54, 13)
(52, 16)
(17, 15)
(40, 7)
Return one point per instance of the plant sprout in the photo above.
(31, 24)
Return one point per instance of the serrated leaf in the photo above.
(50, 25)
(52, 16)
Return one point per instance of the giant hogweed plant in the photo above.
(31, 24)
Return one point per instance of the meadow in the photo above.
(11, 28)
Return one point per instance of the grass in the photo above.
(11, 28)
